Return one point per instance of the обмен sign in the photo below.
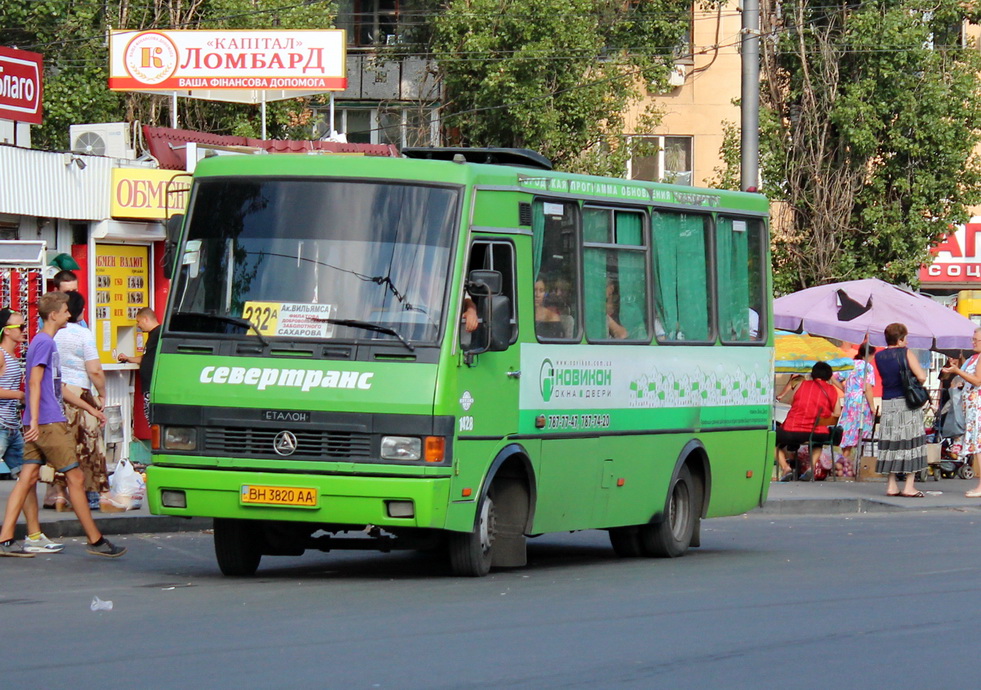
(206, 59)
(21, 81)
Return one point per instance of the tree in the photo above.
(555, 76)
(872, 115)
(72, 38)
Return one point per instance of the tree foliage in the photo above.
(72, 36)
(872, 114)
(555, 76)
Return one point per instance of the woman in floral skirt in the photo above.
(857, 412)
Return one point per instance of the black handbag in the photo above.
(916, 393)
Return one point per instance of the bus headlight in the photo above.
(180, 438)
(401, 448)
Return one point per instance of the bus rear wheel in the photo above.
(237, 547)
(672, 536)
(471, 553)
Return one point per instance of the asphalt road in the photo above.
(788, 602)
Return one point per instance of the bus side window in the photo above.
(614, 275)
(683, 308)
(496, 255)
(740, 253)
(555, 269)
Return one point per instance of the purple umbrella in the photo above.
(851, 310)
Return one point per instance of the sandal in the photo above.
(976, 493)
(918, 494)
(893, 495)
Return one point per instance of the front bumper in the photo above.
(341, 500)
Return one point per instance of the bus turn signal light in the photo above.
(155, 436)
(435, 448)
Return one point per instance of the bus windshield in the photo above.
(309, 258)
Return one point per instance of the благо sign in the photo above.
(20, 85)
(142, 193)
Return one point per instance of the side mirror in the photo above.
(494, 333)
(483, 283)
(174, 225)
(499, 335)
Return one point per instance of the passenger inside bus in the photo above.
(548, 321)
(616, 330)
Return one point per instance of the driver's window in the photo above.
(495, 255)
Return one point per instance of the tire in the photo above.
(625, 542)
(471, 552)
(237, 547)
(672, 536)
(966, 471)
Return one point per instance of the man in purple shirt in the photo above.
(46, 435)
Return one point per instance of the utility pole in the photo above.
(749, 167)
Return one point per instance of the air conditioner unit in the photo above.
(112, 139)
(677, 76)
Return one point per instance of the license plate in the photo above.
(279, 496)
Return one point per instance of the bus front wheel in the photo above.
(237, 547)
(672, 536)
(471, 552)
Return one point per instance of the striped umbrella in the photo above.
(796, 353)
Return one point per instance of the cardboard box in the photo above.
(865, 472)
(933, 453)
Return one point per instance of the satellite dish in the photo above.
(91, 143)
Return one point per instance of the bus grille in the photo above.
(310, 445)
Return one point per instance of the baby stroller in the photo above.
(953, 462)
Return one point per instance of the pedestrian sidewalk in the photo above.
(843, 497)
(59, 525)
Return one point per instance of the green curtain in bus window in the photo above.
(680, 270)
(633, 294)
(537, 235)
(733, 262)
(693, 279)
(595, 225)
(594, 291)
(630, 229)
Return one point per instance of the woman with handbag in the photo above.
(971, 442)
(902, 439)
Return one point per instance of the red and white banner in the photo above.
(21, 84)
(957, 258)
(187, 60)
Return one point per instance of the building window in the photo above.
(401, 126)
(661, 159)
(380, 22)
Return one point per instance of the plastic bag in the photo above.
(127, 487)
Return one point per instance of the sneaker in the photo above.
(106, 548)
(42, 545)
(14, 550)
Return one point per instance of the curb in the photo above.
(849, 506)
(122, 524)
(830, 506)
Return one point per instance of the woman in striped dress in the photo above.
(902, 439)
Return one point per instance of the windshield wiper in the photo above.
(368, 326)
(237, 321)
